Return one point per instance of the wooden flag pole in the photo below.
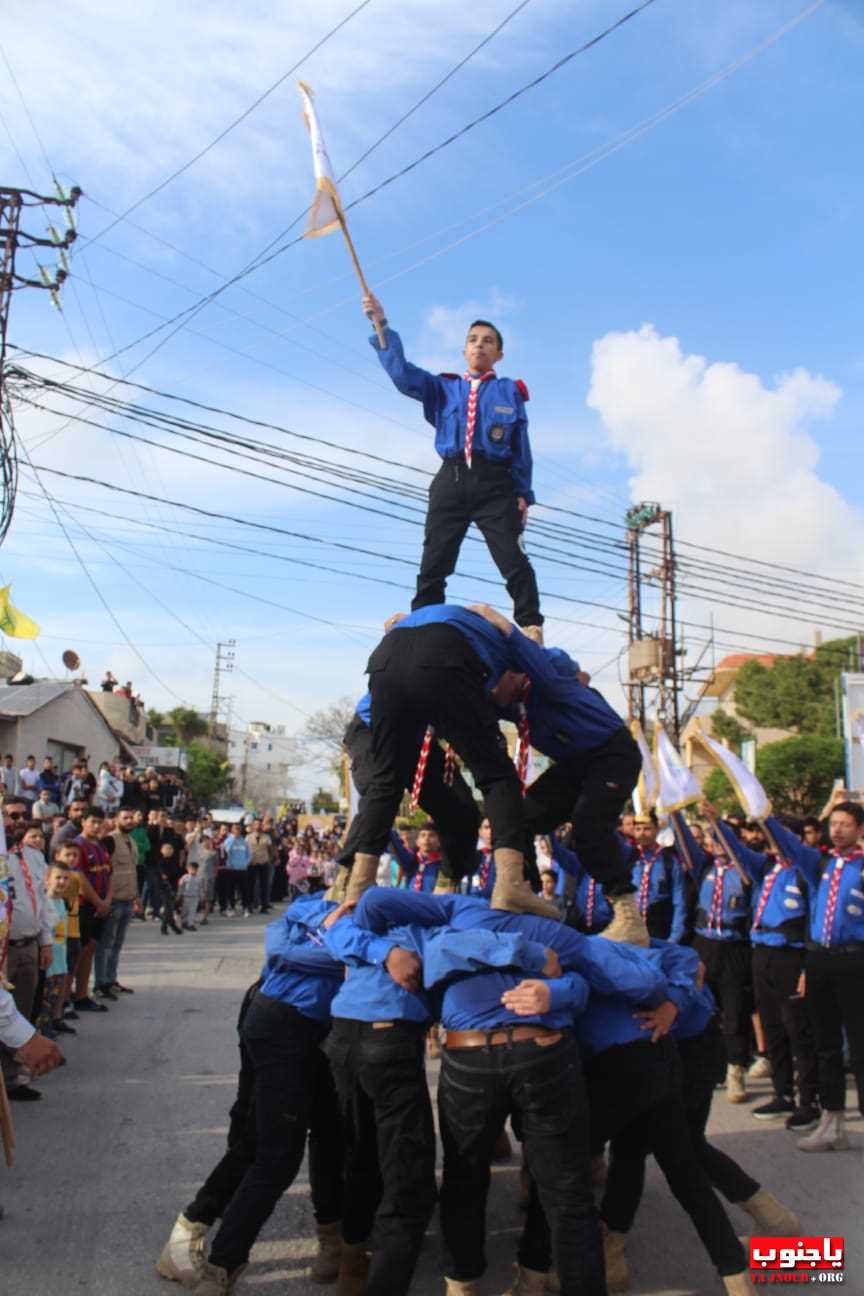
(358, 269)
(680, 841)
(727, 850)
(7, 1130)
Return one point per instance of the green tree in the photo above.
(187, 724)
(795, 693)
(324, 802)
(155, 718)
(797, 773)
(725, 727)
(207, 774)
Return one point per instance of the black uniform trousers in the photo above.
(285, 1093)
(728, 977)
(431, 675)
(635, 1094)
(703, 1064)
(380, 1077)
(785, 1021)
(835, 1001)
(590, 791)
(543, 1089)
(484, 494)
(452, 807)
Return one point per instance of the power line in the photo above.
(234, 124)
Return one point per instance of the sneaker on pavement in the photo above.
(182, 1258)
(23, 1093)
(105, 992)
(829, 1136)
(761, 1069)
(774, 1109)
(62, 1027)
(69, 1014)
(120, 989)
(89, 1006)
(803, 1118)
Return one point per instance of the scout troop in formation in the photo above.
(603, 1013)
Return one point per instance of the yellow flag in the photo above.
(326, 206)
(15, 623)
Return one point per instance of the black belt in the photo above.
(854, 947)
(25, 940)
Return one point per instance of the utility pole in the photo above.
(654, 677)
(223, 665)
(14, 239)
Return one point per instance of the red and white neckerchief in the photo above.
(524, 749)
(417, 880)
(648, 862)
(420, 772)
(473, 391)
(833, 892)
(589, 904)
(483, 872)
(767, 888)
(28, 882)
(715, 919)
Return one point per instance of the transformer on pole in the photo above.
(654, 675)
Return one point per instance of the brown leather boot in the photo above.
(325, 1265)
(339, 885)
(512, 892)
(364, 873)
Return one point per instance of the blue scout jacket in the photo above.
(607, 966)
(608, 1020)
(297, 968)
(501, 430)
(818, 870)
(369, 993)
(732, 922)
(783, 918)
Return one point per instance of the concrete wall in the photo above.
(117, 712)
(69, 720)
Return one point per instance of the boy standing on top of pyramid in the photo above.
(481, 434)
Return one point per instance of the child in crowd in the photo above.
(190, 895)
(66, 857)
(50, 1020)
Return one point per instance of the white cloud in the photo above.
(732, 457)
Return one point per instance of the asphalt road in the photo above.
(127, 1130)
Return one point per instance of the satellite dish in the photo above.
(71, 660)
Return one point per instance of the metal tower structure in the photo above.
(223, 665)
(654, 676)
(14, 239)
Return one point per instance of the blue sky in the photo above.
(686, 311)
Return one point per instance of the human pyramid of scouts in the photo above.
(581, 1040)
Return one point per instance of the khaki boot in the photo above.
(182, 1258)
(353, 1270)
(527, 1282)
(364, 873)
(769, 1215)
(738, 1284)
(445, 886)
(828, 1136)
(512, 892)
(325, 1266)
(628, 925)
(617, 1268)
(339, 885)
(533, 632)
(736, 1084)
(456, 1288)
(216, 1281)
